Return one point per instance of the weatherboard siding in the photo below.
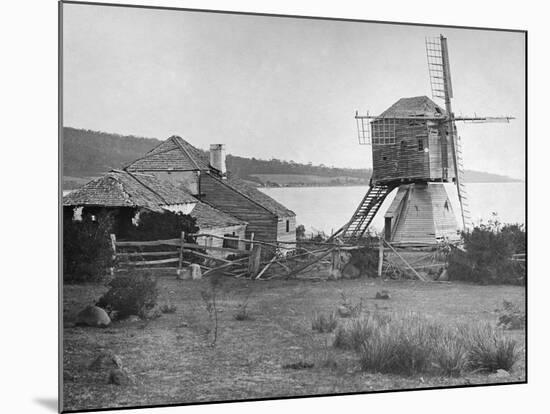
(403, 159)
(439, 147)
(426, 214)
(282, 234)
(260, 221)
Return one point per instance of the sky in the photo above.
(286, 88)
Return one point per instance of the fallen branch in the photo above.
(266, 267)
(205, 255)
(305, 266)
(215, 269)
(406, 263)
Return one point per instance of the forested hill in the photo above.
(89, 153)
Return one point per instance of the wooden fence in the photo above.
(284, 259)
(170, 254)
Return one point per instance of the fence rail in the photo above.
(127, 258)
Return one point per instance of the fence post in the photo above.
(251, 241)
(254, 260)
(380, 256)
(180, 263)
(113, 245)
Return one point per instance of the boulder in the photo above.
(151, 313)
(500, 373)
(132, 318)
(119, 376)
(106, 360)
(351, 272)
(444, 276)
(184, 273)
(383, 294)
(93, 316)
(196, 273)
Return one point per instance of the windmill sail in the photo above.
(441, 84)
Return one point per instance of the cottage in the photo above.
(127, 194)
(178, 163)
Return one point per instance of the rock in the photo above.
(93, 316)
(106, 360)
(344, 311)
(196, 273)
(184, 274)
(351, 272)
(334, 274)
(444, 276)
(151, 313)
(132, 318)
(501, 373)
(113, 315)
(119, 376)
(383, 294)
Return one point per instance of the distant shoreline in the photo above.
(84, 181)
(366, 185)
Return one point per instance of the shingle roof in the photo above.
(415, 106)
(210, 217)
(173, 154)
(123, 189)
(256, 196)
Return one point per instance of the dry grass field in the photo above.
(172, 361)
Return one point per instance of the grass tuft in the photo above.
(356, 331)
(412, 344)
(324, 323)
(489, 350)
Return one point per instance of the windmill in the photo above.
(415, 149)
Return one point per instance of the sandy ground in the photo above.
(172, 361)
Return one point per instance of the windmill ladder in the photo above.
(462, 196)
(365, 212)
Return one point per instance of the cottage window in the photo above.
(421, 145)
(288, 226)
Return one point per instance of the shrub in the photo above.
(242, 313)
(159, 226)
(87, 251)
(298, 365)
(168, 308)
(300, 232)
(487, 255)
(162, 226)
(366, 260)
(351, 309)
(209, 298)
(127, 296)
(511, 316)
(489, 350)
(324, 323)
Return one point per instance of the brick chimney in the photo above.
(217, 159)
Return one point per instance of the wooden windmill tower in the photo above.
(416, 149)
